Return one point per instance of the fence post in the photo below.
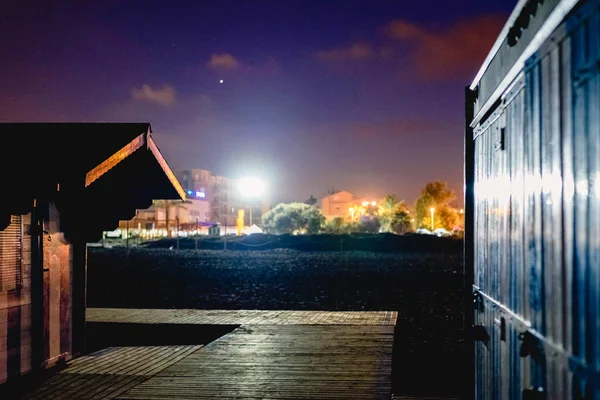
(177, 231)
(127, 238)
(196, 236)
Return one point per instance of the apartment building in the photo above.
(224, 197)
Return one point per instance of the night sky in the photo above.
(365, 96)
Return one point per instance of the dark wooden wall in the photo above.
(36, 318)
(537, 224)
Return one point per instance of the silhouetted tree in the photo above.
(293, 218)
(437, 195)
(337, 226)
(312, 201)
(393, 212)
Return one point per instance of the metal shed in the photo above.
(532, 249)
(62, 185)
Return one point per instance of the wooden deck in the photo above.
(281, 362)
(109, 372)
(272, 355)
(240, 317)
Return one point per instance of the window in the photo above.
(11, 257)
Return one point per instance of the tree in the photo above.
(312, 201)
(357, 211)
(401, 222)
(167, 205)
(436, 195)
(293, 218)
(336, 225)
(394, 215)
(369, 225)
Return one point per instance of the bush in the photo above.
(293, 218)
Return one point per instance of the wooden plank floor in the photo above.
(241, 317)
(107, 373)
(272, 355)
(423, 398)
(281, 362)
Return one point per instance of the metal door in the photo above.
(536, 224)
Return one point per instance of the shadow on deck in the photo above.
(267, 355)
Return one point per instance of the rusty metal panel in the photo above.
(536, 246)
(11, 255)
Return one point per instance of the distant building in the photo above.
(337, 205)
(346, 205)
(210, 199)
(224, 197)
(189, 215)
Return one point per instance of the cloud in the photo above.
(223, 61)
(269, 67)
(451, 53)
(427, 53)
(164, 96)
(356, 52)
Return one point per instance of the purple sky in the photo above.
(365, 96)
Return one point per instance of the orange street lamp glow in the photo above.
(432, 214)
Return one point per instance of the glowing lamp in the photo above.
(251, 187)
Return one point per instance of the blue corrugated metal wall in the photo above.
(537, 224)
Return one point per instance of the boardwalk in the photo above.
(240, 317)
(110, 372)
(271, 355)
(281, 362)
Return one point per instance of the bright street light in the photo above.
(251, 187)
(432, 212)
